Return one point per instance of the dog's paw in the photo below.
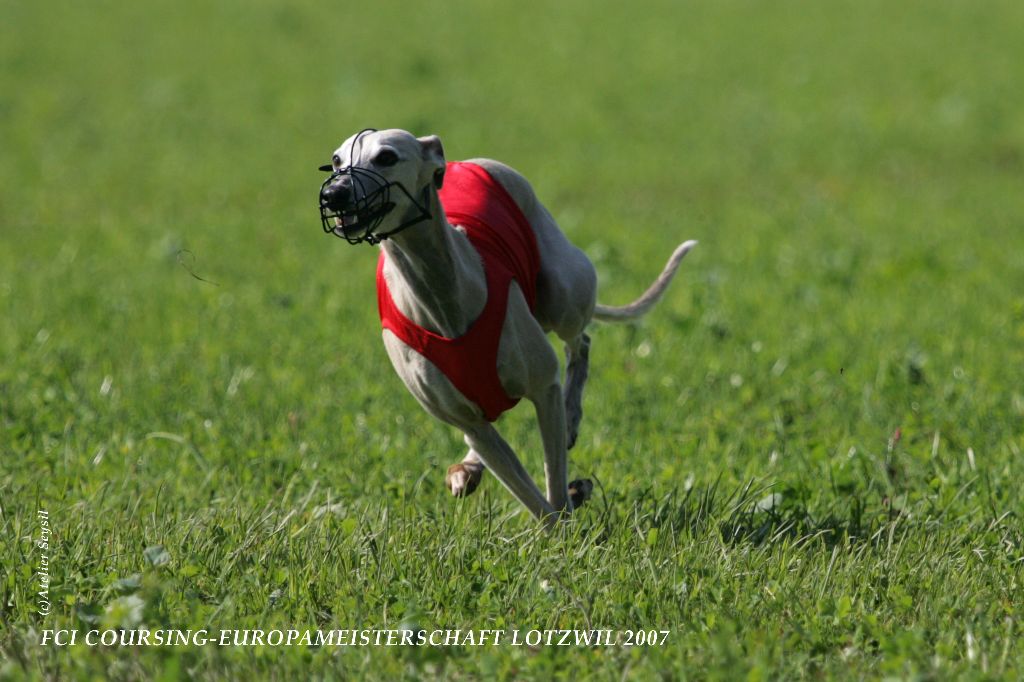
(462, 479)
(580, 491)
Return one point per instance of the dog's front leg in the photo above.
(564, 496)
(551, 419)
(500, 459)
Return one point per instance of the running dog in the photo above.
(473, 273)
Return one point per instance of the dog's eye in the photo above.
(385, 157)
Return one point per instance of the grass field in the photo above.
(809, 455)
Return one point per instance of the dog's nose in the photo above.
(336, 196)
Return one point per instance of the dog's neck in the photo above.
(435, 276)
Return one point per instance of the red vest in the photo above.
(502, 236)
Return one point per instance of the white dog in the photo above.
(473, 273)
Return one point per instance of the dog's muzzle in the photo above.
(355, 200)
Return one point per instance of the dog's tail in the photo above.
(640, 306)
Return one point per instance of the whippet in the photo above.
(473, 273)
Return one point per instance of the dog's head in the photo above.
(381, 182)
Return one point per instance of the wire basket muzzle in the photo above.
(357, 207)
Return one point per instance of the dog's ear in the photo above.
(433, 154)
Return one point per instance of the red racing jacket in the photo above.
(502, 236)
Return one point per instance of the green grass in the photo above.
(854, 173)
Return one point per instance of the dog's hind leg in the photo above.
(463, 478)
(577, 357)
